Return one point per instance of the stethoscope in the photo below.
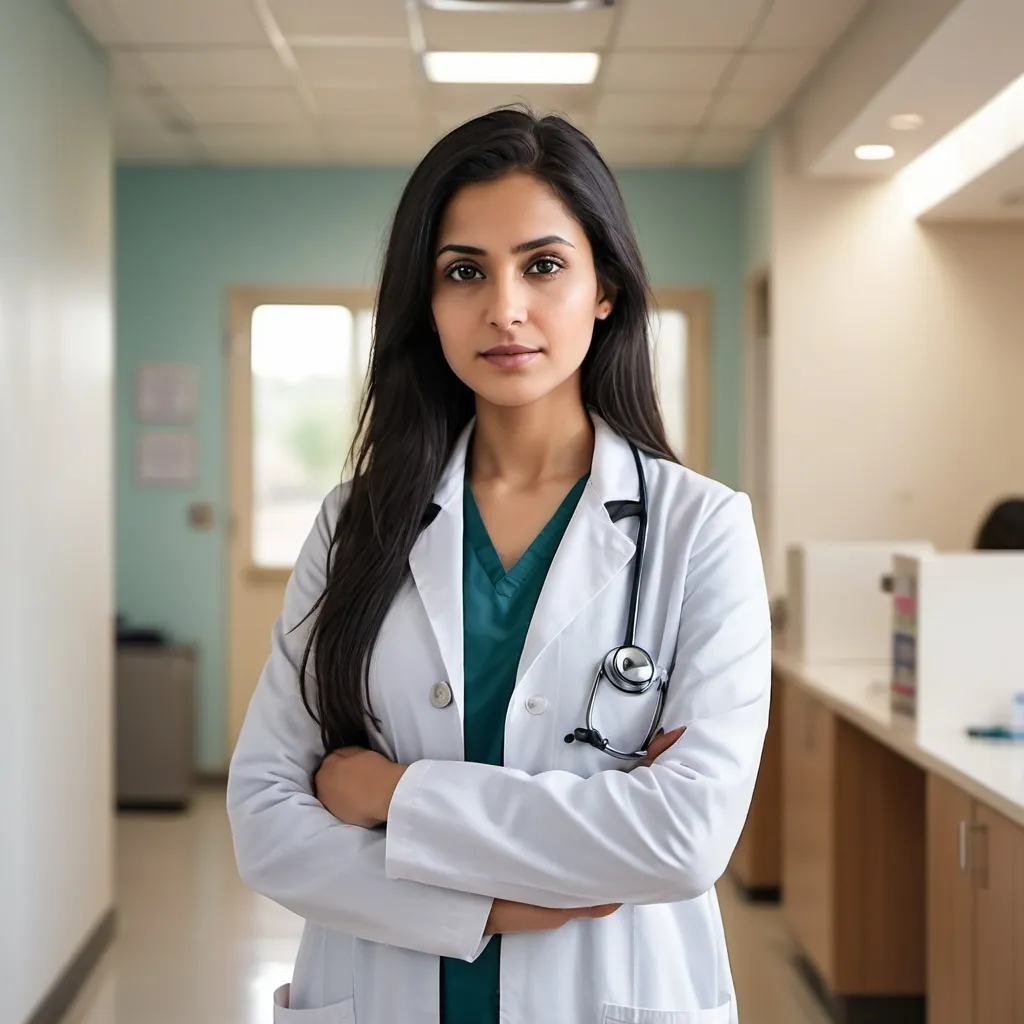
(628, 668)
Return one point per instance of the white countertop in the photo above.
(992, 771)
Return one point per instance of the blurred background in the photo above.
(829, 195)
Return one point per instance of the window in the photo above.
(308, 366)
(669, 341)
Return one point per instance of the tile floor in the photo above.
(195, 947)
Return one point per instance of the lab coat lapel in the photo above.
(593, 551)
(436, 565)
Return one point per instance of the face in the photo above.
(515, 291)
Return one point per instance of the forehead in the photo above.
(504, 212)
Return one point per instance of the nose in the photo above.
(506, 307)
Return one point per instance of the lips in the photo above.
(510, 357)
(510, 350)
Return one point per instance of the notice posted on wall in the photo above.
(166, 392)
(166, 458)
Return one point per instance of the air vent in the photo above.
(518, 6)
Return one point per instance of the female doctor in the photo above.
(450, 767)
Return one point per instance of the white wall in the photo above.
(898, 367)
(56, 368)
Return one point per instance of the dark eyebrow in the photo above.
(536, 243)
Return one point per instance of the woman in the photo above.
(456, 600)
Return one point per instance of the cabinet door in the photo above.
(756, 862)
(808, 849)
(950, 905)
(993, 855)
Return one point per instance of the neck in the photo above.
(529, 445)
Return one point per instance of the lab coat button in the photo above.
(536, 704)
(440, 695)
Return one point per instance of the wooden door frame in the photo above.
(241, 303)
(696, 304)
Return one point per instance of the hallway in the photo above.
(196, 947)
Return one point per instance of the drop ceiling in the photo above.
(682, 82)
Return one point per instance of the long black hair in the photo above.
(414, 407)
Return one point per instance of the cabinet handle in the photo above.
(962, 829)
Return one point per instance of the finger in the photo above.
(602, 911)
(660, 744)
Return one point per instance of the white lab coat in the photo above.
(560, 825)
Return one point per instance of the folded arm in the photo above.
(287, 846)
(657, 834)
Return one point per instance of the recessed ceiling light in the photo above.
(512, 68)
(905, 122)
(874, 152)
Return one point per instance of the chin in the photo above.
(512, 393)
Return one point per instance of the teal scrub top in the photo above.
(497, 609)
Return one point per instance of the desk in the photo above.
(903, 853)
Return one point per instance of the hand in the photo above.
(357, 785)
(507, 917)
(661, 742)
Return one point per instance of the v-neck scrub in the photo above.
(498, 606)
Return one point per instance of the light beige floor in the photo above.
(195, 947)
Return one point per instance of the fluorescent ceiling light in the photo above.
(512, 68)
(874, 152)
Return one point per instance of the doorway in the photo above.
(297, 363)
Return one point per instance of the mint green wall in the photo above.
(184, 236)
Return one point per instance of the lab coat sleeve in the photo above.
(287, 845)
(653, 835)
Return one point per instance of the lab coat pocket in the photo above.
(636, 1015)
(339, 1013)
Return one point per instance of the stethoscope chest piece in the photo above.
(630, 669)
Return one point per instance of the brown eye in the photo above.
(545, 266)
(461, 272)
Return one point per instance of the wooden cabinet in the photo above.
(853, 856)
(756, 863)
(808, 826)
(950, 906)
(975, 911)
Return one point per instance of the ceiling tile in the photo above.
(362, 106)
(627, 109)
(130, 71)
(318, 19)
(725, 147)
(810, 23)
(746, 109)
(132, 108)
(689, 24)
(188, 22)
(504, 31)
(672, 71)
(405, 147)
(241, 106)
(624, 147)
(778, 72)
(252, 135)
(96, 18)
(382, 67)
(467, 101)
(279, 144)
(217, 69)
(446, 119)
(152, 146)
